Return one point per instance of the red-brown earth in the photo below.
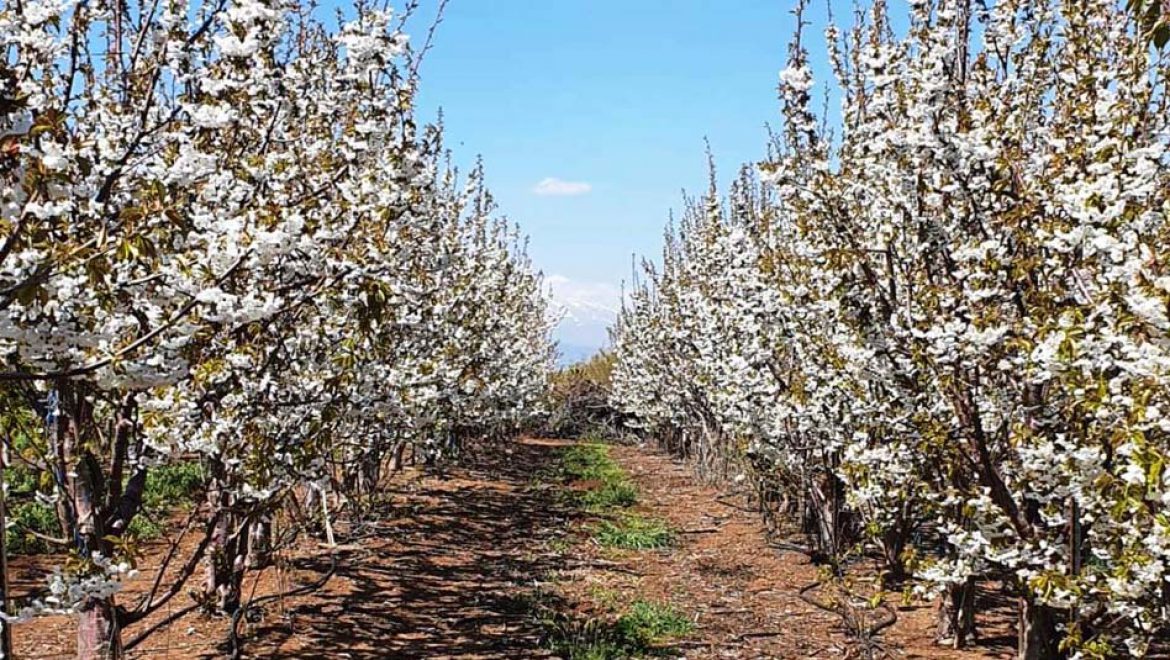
(467, 564)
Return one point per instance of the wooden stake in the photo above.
(328, 525)
(5, 627)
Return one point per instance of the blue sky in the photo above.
(607, 102)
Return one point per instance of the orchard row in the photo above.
(227, 240)
(937, 326)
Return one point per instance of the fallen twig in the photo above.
(611, 566)
(759, 633)
(732, 505)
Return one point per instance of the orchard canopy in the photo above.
(226, 239)
(931, 327)
(938, 329)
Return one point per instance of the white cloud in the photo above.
(554, 187)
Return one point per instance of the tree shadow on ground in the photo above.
(455, 579)
(997, 629)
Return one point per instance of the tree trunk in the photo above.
(371, 474)
(1037, 635)
(226, 566)
(260, 543)
(398, 462)
(232, 592)
(98, 633)
(956, 616)
(220, 557)
(825, 520)
(893, 544)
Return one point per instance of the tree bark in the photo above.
(260, 543)
(1037, 635)
(398, 462)
(219, 559)
(956, 617)
(98, 633)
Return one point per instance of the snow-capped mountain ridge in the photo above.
(584, 311)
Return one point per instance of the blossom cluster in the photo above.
(940, 329)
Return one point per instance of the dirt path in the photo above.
(446, 572)
(469, 564)
(741, 593)
(447, 575)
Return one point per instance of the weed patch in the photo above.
(26, 518)
(145, 527)
(610, 495)
(631, 532)
(645, 630)
(590, 461)
(648, 623)
(172, 484)
(610, 487)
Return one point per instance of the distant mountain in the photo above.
(586, 311)
(583, 322)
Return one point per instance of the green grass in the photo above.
(591, 462)
(642, 628)
(645, 629)
(145, 527)
(167, 487)
(560, 545)
(610, 599)
(610, 495)
(172, 485)
(27, 516)
(612, 492)
(631, 532)
(585, 646)
(648, 623)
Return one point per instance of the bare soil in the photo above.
(454, 565)
(741, 591)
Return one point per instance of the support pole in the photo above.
(5, 627)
